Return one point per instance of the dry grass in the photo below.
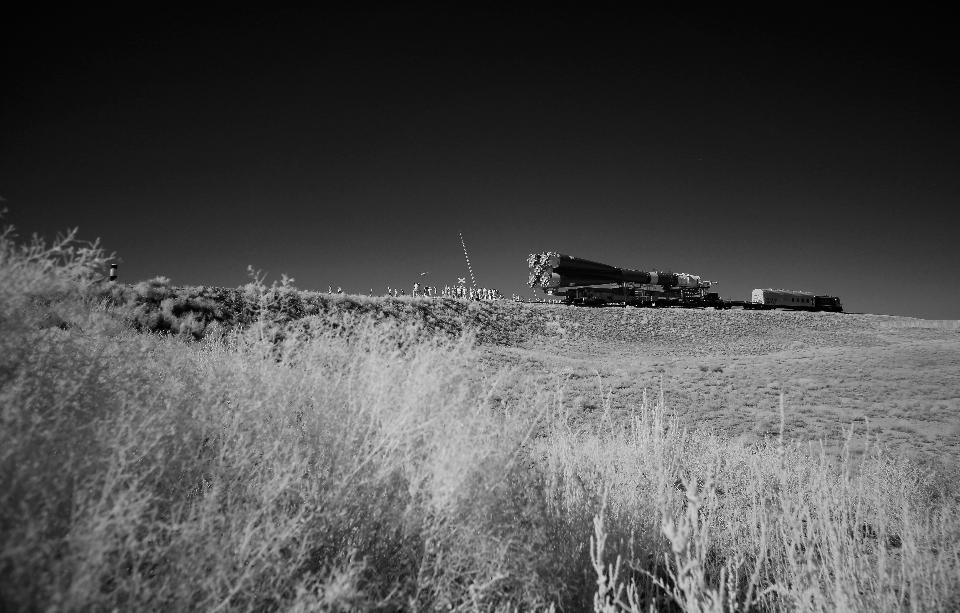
(707, 525)
(346, 462)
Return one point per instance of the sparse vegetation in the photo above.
(269, 449)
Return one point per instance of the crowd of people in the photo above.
(448, 291)
(451, 291)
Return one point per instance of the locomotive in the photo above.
(587, 283)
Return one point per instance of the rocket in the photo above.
(551, 270)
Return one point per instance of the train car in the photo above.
(783, 299)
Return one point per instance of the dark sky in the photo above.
(812, 151)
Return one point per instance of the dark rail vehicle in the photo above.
(587, 283)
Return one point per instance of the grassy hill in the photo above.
(894, 379)
(269, 449)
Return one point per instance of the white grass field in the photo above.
(269, 449)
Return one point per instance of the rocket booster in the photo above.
(554, 270)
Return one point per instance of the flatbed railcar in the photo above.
(621, 296)
(626, 295)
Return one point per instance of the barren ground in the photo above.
(897, 379)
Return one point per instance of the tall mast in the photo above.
(473, 280)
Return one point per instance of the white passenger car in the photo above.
(783, 298)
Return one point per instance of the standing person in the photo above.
(416, 289)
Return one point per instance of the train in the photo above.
(798, 301)
(582, 282)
